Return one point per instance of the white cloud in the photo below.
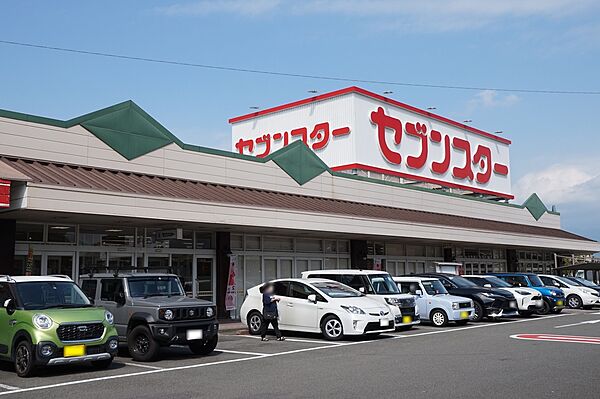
(491, 99)
(205, 7)
(560, 184)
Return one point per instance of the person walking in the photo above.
(270, 312)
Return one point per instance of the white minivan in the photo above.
(319, 305)
(378, 285)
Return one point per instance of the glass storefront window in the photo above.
(330, 246)
(286, 268)
(301, 266)
(415, 250)
(205, 278)
(158, 264)
(253, 243)
(309, 245)
(169, 238)
(270, 269)
(106, 236)
(278, 244)
(29, 232)
(181, 265)
(344, 263)
(343, 247)
(204, 240)
(253, 271)
(92, 262)
(60, 264)
(61, 234)
(237, 242)
(330, 263)
(20, 265)
(395, 249)
(121, 262)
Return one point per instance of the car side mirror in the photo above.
(312, 298)
(92, 300)
(487, 285)
(419, 292)
(361, 289)
(10, 307)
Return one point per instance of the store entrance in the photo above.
(61, 264)
(205, 278)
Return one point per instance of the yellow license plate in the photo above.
(559, 303)
(464, 315)
(74, 350)
(406, 319)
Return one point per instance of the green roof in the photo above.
(130, 131)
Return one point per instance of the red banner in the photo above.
(4, 193)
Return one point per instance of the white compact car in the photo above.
(577, 295)
(319, 306)
(378, 285)
(529, 300)
(436, 304)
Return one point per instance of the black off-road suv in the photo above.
(151, 310)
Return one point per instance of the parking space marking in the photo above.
(572, 339)
(307, 341)
(579, 324)
(240, 352)
(250, 358)
(8, 387)
(145, 366)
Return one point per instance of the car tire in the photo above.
(545, 309)
(204, 347)
(479, 312)
(332, 328)
(255, 323)
(439, 318)
(102, 364)
(142, 345)
(574, 302)
(24, 359)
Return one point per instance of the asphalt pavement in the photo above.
(541, 357)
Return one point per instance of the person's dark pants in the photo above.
(275, 325)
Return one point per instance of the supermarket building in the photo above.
(344, 179)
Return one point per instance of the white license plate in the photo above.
(384, 322)
(193, 334)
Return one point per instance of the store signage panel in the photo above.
(355, 131)
(4, 193)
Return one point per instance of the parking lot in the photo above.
(539, 356)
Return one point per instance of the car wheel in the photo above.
(142, 345)
(332, 328)
(255, 323)
(23, 359)
(204, 347)
(102, 364)
(439, 318)
(545, 309)
(574, 302)
(478, 313)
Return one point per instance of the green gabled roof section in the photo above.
(130, 131)
(535, 206)
(299, 162)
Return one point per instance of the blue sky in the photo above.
(551, 44)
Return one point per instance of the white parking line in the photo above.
(262, 356)
(9, 387)
(579, 324)
(145, 366)
(308, 341)
(240, 352)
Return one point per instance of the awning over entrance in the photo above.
(97, 179)
(582, 266)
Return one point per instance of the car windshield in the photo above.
(535, 281)
(567, 281)
(462, 282)
(51, 294)
(434, 287)
(154, 286)
(336, 290)
(583, 282)
(383, 284)
(495, 282)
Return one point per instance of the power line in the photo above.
(293, 75)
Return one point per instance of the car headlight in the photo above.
(590, 292)
(353, 309)
(523, 292)
(455, 306)
(42, 321)
(553, 293)
(210, 312)
(392, 301)
(109, 317)
(169, 315)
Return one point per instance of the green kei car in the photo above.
(48, 320)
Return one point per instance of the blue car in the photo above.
(554, 298)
